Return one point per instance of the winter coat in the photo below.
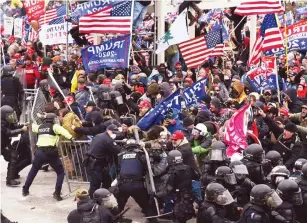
(86, 205)
(69, 120)
(295, 105)
(31, 74)
(98, 127)
(82, 97)
(187, 155)
(302, 128)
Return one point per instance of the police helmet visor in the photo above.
(297, 198)
(11, 117)
(240, 169)
(273, 200)
(119, 100)
(224, 199)
(109, 201)
(230, 179)
(216, 154)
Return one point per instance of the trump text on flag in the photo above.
(93, 6)
(34, 8)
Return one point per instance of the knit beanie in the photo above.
(291, 127)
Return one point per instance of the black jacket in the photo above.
(85, 205)
(8, 131)
(187, 155)
(103, 146)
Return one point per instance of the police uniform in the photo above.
(48, 136)
(255, 171)
(210, 212)
(101, 153)
(253, 213)
(301, 210)
(132, 169)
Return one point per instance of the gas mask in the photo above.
(110, 202)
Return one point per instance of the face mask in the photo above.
(113, 136)
(110, 202)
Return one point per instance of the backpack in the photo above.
(92, 216)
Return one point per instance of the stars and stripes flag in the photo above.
(252, 7)
(33, 35)
(197, 50)
(272, 37)
(53, 16)
(115, 18)
(255, 56)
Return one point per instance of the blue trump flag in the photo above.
(195, 93)
(158, 114)
(212, 14)
(109, 54)
(90, 7)
(217, 27)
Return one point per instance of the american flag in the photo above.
(111, 19)
(53, 16)
(197, 50)
(254, 58)
(252, 7)
(272, 37)
(90, 38)
(33, 35)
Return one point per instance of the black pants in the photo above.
(138, 192)
(24, 152)
(99, 175)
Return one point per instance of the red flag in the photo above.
(255, 129)
(236, 131)
(34, 9)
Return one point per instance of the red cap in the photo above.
(30, 51)
(68, 99)
(145, 103)
(107, 81)
(284, 112)
(177, 135)
(16, 56)
(178, 63)
(12, 38)
(296, 69)
(189, 80)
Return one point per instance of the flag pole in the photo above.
(67, 31)
(277, 81)
(285, 38)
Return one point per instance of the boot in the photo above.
(45, 167)
(25, 192)
(16, 176)
(57, 195)
(12, 183)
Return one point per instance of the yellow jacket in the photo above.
(69, 120)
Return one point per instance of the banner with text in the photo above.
(92, 6)
(34, 8)
(195, 93)
(296, 39)
(8, 25)
(109, 54)
(55, 34)
(18, 27)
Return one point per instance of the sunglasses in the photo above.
(267, 94)
(217, 90)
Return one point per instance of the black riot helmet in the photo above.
(8, 114)
(104, 92)
(117, 97)
(218, 194)
(262, 194)
(218, 151)
(299, 163)
(304, 171)
(132, 145)
(254, 152)
(274, 158)
(288, 190)
(47, 117)
(105, 198)
(278, 174)
(174, 157)
(225, 174)
(7, 70)
(239, 169)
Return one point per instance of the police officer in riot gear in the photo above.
(302, 183)
(244, 184)
(252, 158)
(11, 90)
(213, 208)
(132, 170)
(291, 195)
(104, 96)
(262, 200)
(216, 158)
(48, 136)
(225, 176)
(9, 129)
(178, 185)
(100, 157)
(297, 169)
(272, 159)
(277, 175)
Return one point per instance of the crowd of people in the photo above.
(193, 174)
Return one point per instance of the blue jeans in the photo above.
(54, 161)
(139, 13)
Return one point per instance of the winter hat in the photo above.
(177, 135)
(153, 89)
(284, 112)
(279, 119)
(187, 122)
(291, 127)
(216, 102)
(238, 86)
(127, 122)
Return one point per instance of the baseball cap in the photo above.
(81, 193)
(89, 103)
(144, 104)
(284, 112)
(113, 128)
(189, 80)
(177, 135)
(68, 99)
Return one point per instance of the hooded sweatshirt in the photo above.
(295, 104)
(240, 89)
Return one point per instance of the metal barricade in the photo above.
(38, 106)
(72, 156)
